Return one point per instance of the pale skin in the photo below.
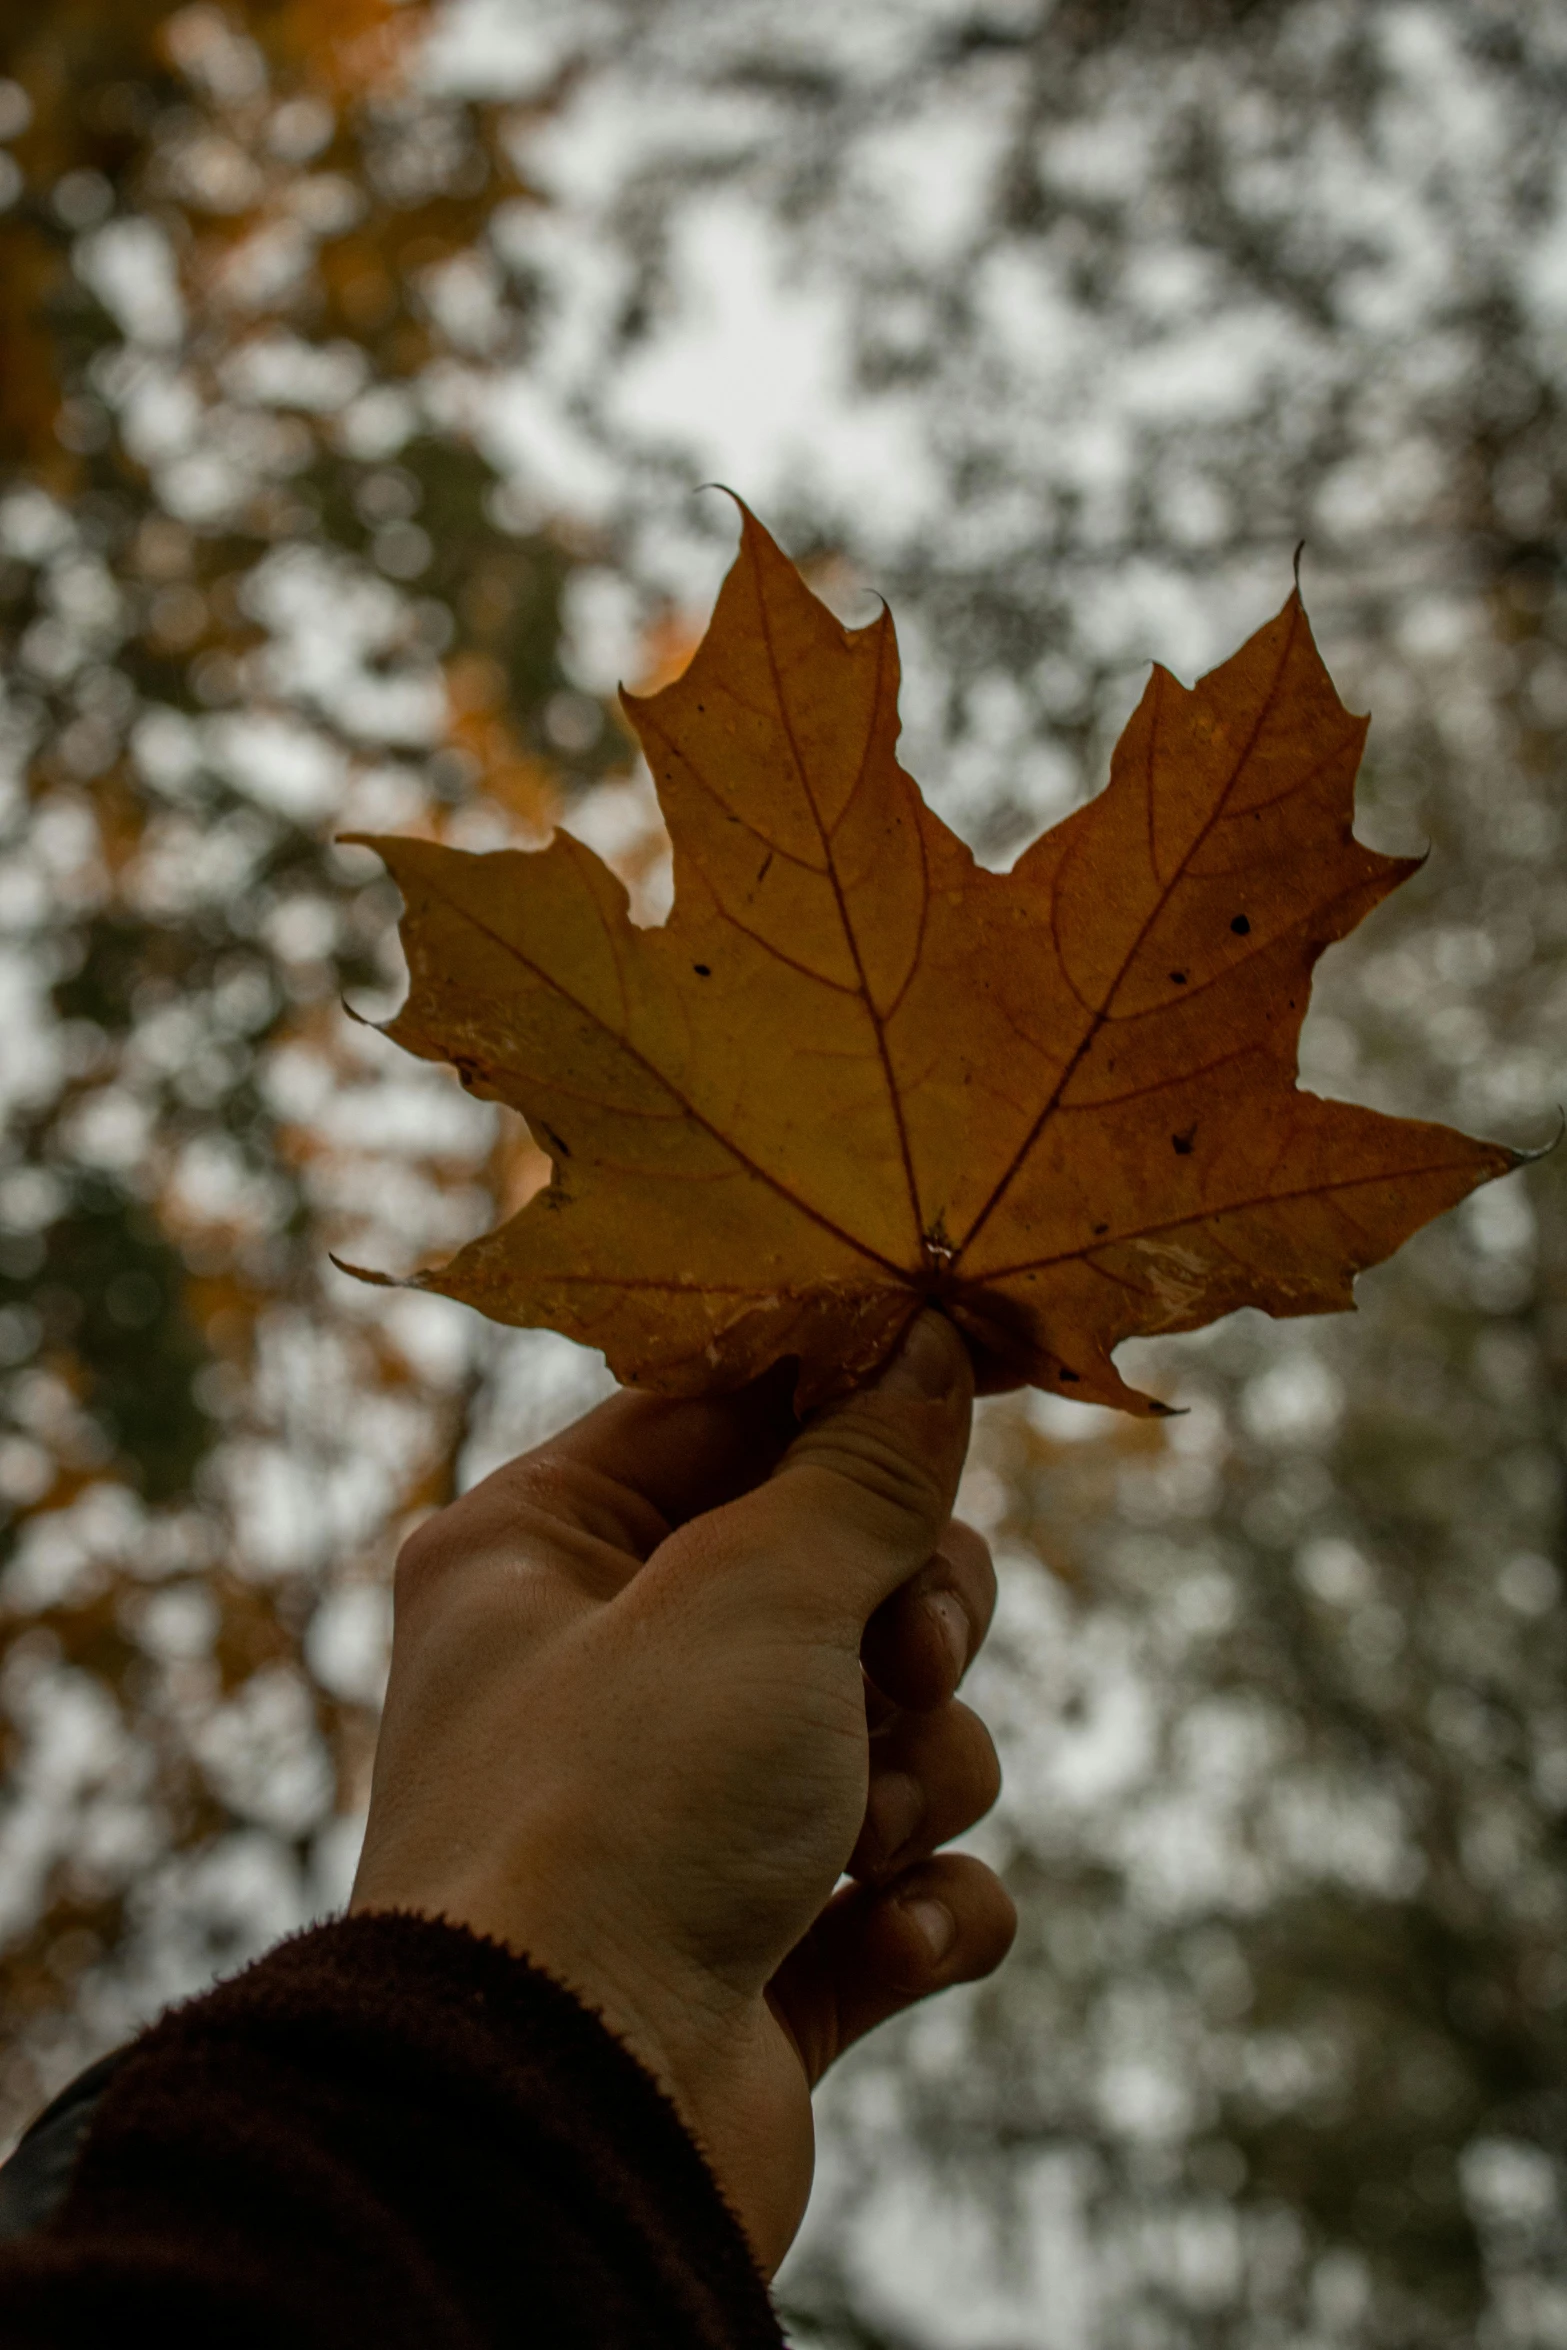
(657, 1688)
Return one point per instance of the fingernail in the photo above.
(893, 1810)
(928, 1362)
(934, 1923)
(946, 1613)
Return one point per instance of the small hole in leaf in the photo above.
(1183, 1142)
(703, 970)
(1074, 1376)
(1240, 926)
(1098, 1228)
(1179, 978)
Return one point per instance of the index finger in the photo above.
(672, 1456)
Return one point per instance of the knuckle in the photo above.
(972, 1753)
(963, 1565)
(552, 1488)
(985, 1773)
(989, 1769)
(987, 1912)
(967, 1556)
(443, 1551)
(699, 1551)
(543, 1508)
(424, 1554)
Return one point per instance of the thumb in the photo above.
(859, 1500)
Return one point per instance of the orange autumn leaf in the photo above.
(856, 1072)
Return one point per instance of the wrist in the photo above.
(678, 2018)
(716, 2052)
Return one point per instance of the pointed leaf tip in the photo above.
(365, 1273)
(1525, 1158)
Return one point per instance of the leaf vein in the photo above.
(1242, 1207)
(816, 1215)
(1004, 1182)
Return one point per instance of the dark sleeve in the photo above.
(387, 2131)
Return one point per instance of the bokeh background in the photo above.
(358, 365)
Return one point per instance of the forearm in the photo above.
(387, 2130)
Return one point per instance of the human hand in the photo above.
(657, 1686)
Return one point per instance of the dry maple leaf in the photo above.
(855, 1072)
